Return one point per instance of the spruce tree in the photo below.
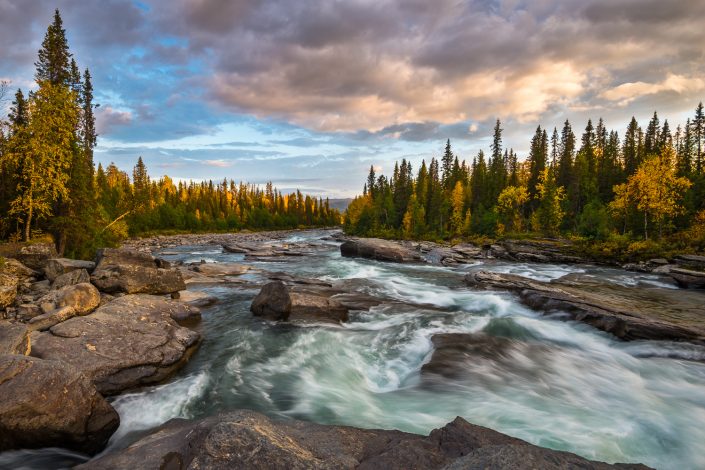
(698, 131)
(54, 62)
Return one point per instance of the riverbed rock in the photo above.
(696, 262)
(378, 249)
(84, 298)
(14, 338)
(221, 269)
(8, 290)
(128, 342)
(55, 267)
(277, 301)
(688, 278)
(35, 255)
(133, 272)
(248, 440)
(71, 278)
(197, 298)
(47, 320)
(15, 268)
(51, 404)
(629, 313)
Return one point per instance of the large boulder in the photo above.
(277, 301)
(248, 440)
(133, 272)
(55, 267)
(83, 298)
(14, 338)
(36, 255)
(71, 278)
(51, 404)
(382, 250)
(128, 342)
(629, 313)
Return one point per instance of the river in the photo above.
(571, 388)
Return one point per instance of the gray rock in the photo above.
(14, 338)
(50, 404)
(382, 250)
(195, 298)
(133, 272)
(71, 278)
(248, 440)
(15, 268)
(221, 269)
(691, 261)
(128, 342)
(57, 266)
(276, 301)
(26, 312)
(688, 278)
(36, 255)
(628, 313)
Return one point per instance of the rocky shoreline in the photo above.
(101, 328)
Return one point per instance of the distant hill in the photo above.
(340, 204)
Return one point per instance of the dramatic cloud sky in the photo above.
(311, 93)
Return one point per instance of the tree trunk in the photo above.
(646, 233)
(28, 223)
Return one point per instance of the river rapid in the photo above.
(571, 388)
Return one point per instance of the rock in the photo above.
(57, 266)
(50, 404)
(36, 255)
(15, 268)
(691, 261)
(291, 279)
(84, 298)
(629, 313)
(26, 312)
(276, 301)
(248, 440)
(232, 248)
(14, 338)
(221, 269)
(195, 298)
(8, 290)
(71, 278)
(688, 278)
(47, 320)
(128, 342)
(382, 250)
(133, 272)
(273, 302)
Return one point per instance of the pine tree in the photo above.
(54, 61)
(698, 131)
(538, 155)
(652, 136)
(567, 154)
(447, 166)
(630, 149)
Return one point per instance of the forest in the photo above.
(641, 193)
(50, 187)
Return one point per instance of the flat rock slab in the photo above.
(128, 342)
(628, 313)
(248, 440)
(221, 269)
(382, 250)
(51, 404)
(133, 272)
(688, 278)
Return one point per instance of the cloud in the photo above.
(220, 163)
(108, 119)
(628, 92)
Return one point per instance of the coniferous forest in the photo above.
(641, 192)
(50, 186)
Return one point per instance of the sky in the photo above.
(310, 93)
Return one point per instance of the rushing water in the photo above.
(569, 387)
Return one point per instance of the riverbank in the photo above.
(339, 341)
